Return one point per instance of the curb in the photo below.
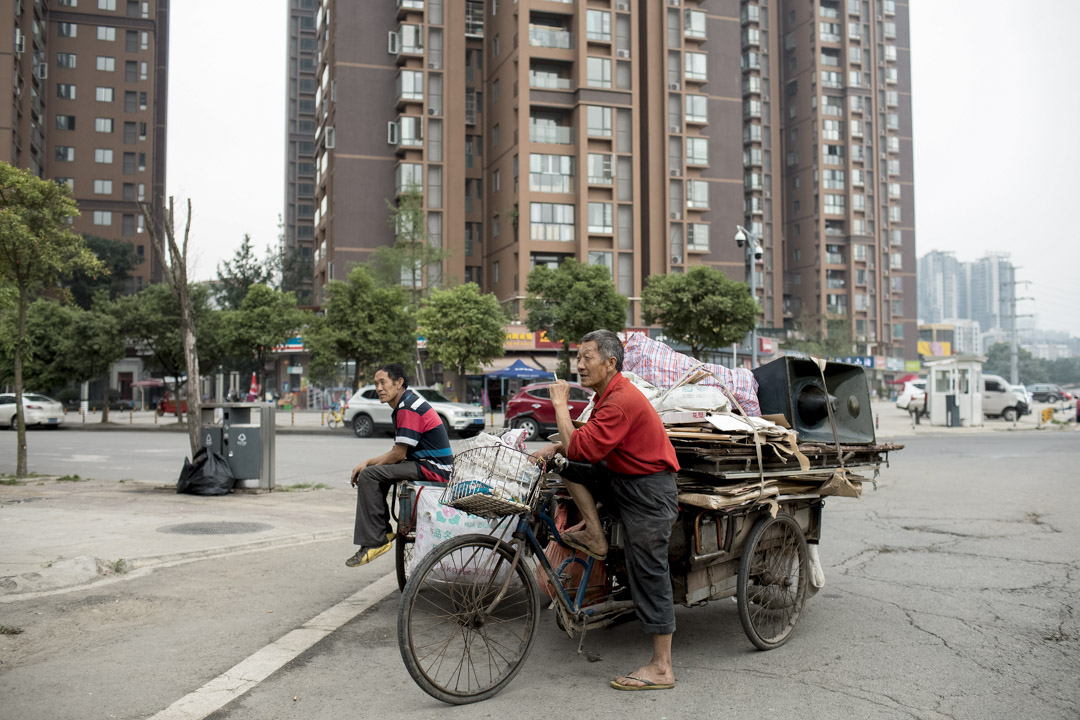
(178, 428)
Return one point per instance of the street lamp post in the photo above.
(746, 239)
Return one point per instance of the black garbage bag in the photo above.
(205, 474)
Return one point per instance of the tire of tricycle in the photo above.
(773, 577)
(403, 550)
(456, 649)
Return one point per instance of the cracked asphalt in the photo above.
(951, 591)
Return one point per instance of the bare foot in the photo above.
(651, 673)
(596, 544)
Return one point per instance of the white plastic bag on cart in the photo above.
(437, 523)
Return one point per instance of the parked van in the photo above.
(999, 400)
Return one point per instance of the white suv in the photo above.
(913, 397)
(365, 414)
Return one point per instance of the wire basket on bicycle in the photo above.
(493, 481)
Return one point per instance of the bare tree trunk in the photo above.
(20, 416)
(105, 392)
(176, 272)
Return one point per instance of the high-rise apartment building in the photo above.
(634, 134)
(88, 108)
(942, 287)
(298, 219)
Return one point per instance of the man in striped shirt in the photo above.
(421, 452)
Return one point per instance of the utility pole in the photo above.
(1014, 352)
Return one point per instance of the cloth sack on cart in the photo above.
(657, 364)
(436, 523)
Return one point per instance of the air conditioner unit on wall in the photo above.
(20, 41)
(673, 86)
(676, 128)
(624, 6)
(622, 53)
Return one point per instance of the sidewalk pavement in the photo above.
(59, 535)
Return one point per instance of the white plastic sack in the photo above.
(817, 573)
(694, 397)
(437, 523)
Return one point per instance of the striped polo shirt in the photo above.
(420, 428)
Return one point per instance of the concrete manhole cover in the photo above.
(216, 528)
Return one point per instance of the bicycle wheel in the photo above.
(454, 645)
(772, 580)
(403, 551)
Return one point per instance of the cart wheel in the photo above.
(456, 649)
(772, 580)
(403, 550)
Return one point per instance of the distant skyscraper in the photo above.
(633, 134)
(942, 287)
(88, 108)
(991, 290)
(298, 219)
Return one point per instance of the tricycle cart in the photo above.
(470, 610)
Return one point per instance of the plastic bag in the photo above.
(557, 554)
(694, 397)
(205, 474)
(437, 523)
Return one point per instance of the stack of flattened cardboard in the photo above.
(729, 460)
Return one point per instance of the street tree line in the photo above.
(66, 314)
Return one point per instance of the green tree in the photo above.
(36, 250)
(363, 322)
(412, 260)
(119, 259)
(567, 302)
(1031, 369)
(464, 329)
(236, 277)
(48, 325)
(701, 308)
(266, 318)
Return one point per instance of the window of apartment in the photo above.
(551, 173)
(109, 5)
(858, 201)
(697, 108)
(67, 29)
(833, 179)
(410, 85)
(599, 120)
(144, 71)
(830, 32)
(127, 225)
(65, 91)
(131, 101)
(694, 66)
(697, 151)
(65, 60)
(106, 33)
(830, 129)
(751, 133)
(894, 189)
(128, 160)
(65, 153)
(858, 178)
(142, 100)
(598, 25)
(68, 3)
(495, 225)
(144, 40)
(106, 64)
(131, 41)
(834, 204)
(697, 194)
(131, 74)
(752, 181)
(697, 237)
(103, 125)
(892, 98)
(601, 217)
(694, 24)
(103, 187)
(408, 175)
(103, 155)
(412, 39)
(496, 180)
(855, 55)
(600, 168)
(411, 131)
(102, 217)
(103, 94)
(551, 221)
(894, 213)
(598, 72)
(602, 258)
(832, 79)
(130, 131)
(894, 167)
(65, 122)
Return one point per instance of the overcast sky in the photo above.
(995, 151)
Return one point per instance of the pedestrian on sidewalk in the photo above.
(421, 451)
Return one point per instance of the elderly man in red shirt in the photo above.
(623, 452)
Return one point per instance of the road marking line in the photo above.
(251, 671)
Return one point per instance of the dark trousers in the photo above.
(648, 506)
(372, 513)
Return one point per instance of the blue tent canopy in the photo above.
(522, 371)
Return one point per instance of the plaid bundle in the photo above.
(663, 367)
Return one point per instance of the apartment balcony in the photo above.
(551, 38)
(546, 81)
(404, 6)
(834, 259)
(551, 134)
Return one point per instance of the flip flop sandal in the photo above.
(646, 684)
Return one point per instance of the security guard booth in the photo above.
(242, 433)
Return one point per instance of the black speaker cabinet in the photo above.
(793, 387)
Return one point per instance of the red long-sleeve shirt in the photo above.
(624, 430)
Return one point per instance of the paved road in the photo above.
(950, 593)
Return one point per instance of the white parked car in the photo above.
(913, 397)
(365, 414)
(37, 409)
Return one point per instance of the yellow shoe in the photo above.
(365, 555)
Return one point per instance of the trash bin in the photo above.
(952, 411)
(245, 438)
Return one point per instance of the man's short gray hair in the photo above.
(608, 344)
